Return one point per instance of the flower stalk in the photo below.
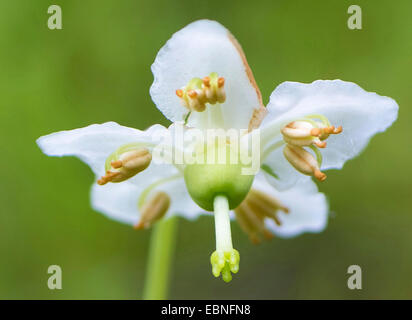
(161, 250)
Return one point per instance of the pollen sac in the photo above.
(328, 130)
(253, 211)
(213, 86)
(153, 210)
(303, 161)
(123, 166)
(312, 131)
(198, 92)
(303, 133)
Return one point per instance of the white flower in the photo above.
(202, 79)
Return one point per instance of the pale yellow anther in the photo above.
(251, 223)
(117, 164)
(192, 94)
(251, 214)
(303, 161)
(304, 133)
(326, 131)
(319, 144)
(198, 92)
(206, 81)
(153, 210)
(312, 131)
(108, 177)
(126, 166)
(179, 93)
(220, 82)
(316, 132)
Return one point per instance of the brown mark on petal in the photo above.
(260, 112)
(257, 118)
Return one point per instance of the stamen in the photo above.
(312, 131)
(252, 212)
(128, 164)
(206, 81)
(326, 131)
(153, 210)
(117, 164)
(316, 132)
(107, 178)
(303, 161)
(198, 92)
(249, 222)
(179, 93)
(221, 82)
(320, 144)
(192, 94)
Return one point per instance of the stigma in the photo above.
(124, 165)
(312, 131)
(253, 211)
(198, 92)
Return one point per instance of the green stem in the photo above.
(162, 245)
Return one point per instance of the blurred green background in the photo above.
(98, 69)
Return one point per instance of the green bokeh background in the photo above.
(98, 69)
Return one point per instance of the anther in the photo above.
(304, 133)
(319, 175)
(179, 93)
(153, 210)
(198, 92)
(320, 144)
(107, 178)
(303, 161)
(192, 94)
(116, 164)
(220, 82)
(316, 132)
(326, 131)
(126, 166)
(252, 212)
(206, 81)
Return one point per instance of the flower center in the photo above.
(218, 176)
(198, 92)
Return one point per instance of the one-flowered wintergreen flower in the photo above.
(202, 82)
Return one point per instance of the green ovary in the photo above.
(205, 181)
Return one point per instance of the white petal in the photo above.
(197, 50)
(119, 201)
(362, 115)
(286, 175)
(93, 144)
(308, 208)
